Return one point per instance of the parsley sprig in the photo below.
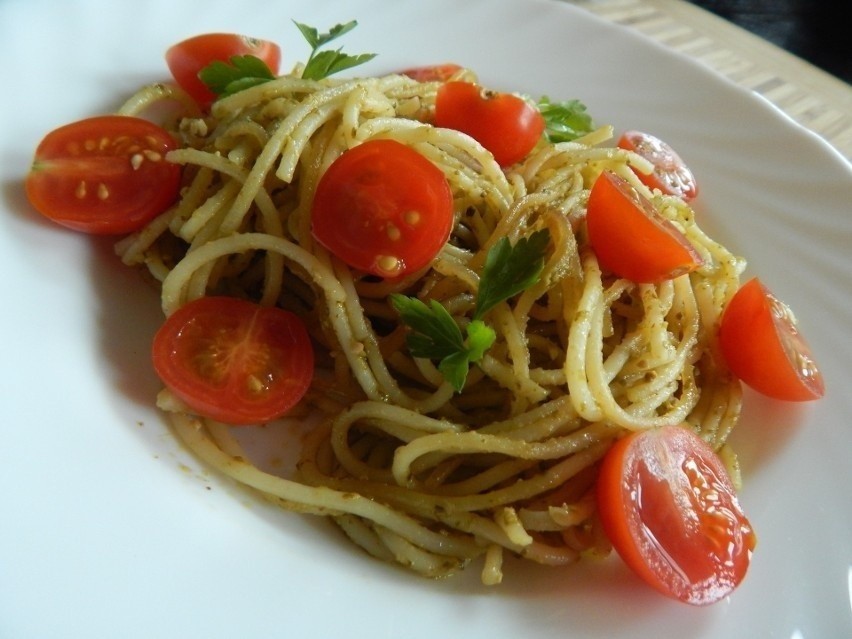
(322, 64)
(239, 73)
(434, 334)
(242, 72)
(564, 121)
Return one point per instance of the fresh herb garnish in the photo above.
(239, 73)
(245, 71)
(564, 121)
(434, 333)
(510, 269)
(322, 64)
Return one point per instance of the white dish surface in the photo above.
(110, 528)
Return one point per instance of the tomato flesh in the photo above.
(104, 175)
(432, 73)
(762, 345)
(503, 123)
(630, 238)
(186, 58)
(234, 361)
(383, 208)
(668, 506)
(670, 175)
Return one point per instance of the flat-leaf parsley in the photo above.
(435, 335)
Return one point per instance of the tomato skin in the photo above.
(503, 123)
(630, 238)
(104, 175)
(671, 175)
(667, 505)
(186, 58)
(762, 346)
(234, 361)
(432, 73)
(383, 208)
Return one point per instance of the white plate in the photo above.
(108, 528)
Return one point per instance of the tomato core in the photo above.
(630, 238)
(668, 506)
(762, 344)
(383, 208)
(104, 175)
(503, 123)
(234, 361)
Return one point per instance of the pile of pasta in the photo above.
(410, 470)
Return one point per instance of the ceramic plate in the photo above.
(109, 528)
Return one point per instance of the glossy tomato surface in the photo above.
(630, 238)
(383, 208)
(234, 361)
(433, 73)
(186, 58)
(762, 344)
(670, 175)
(668, 506)
(104, 175)
(503, 123)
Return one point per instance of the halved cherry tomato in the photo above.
(762, 345)
(234, 361)
(630, 238)
(669, 508)
(432, 73)
(186, 58)
(104, 175)
(383, 208)
(670, 175)
(503, 123)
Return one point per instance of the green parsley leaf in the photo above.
(510, 269)
(326, 63)
(564, 121)
(434, 333)
(316, 39)
(322, 64)
(240, 72)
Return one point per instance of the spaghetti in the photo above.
(410, 470)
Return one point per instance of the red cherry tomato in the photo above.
(104, 175)
(630, 238)
(234, 361)
(667, 505)
(670, 175)
(433, 73)
(383, 208)
(186, 58)
(763, 346)
(503, 123)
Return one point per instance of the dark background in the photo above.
(819, 31)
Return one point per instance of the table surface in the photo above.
(817, 98)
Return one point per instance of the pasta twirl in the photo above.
(412, 471)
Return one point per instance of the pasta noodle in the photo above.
(410, 470)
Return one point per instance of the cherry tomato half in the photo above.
(503, 123)
(186, 58)
(630, 238)
(104, 175)
(763, 346)
(234, 361)
(432, 73)
(667, 505)
(670, 175)
(383, 208)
